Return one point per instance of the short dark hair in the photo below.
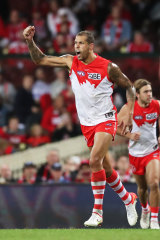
(88, 34)
(139, 83)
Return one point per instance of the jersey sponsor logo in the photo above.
(108, 115)
(138, 117)
(94, 76)
(133, 168)
(151, 116)
(81, 73)
(155, 147)
(109, 124)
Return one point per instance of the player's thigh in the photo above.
(102, 141)
(152, 171)
(141, 181)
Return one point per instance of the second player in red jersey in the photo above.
(144, 153)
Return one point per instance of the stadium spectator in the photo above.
(57, 174)
(84, 172)
(3, 35)
(45, 102)
(99, 47)
(15, 27)
(24, 99)
(139, 44)
(66, 16)
(14, 133)
(3, 113)
(40, 24)
(52, 17)
(37, 136)
(87, 13)
(40, 87)
(124, 9)
(5, 146)
(119, 97)
(63, 42)
(144, 152)
(18, 46)
(44, 174)
(57, 121)
(6, 175)
(116, 32)
(29, 174)
(7, 91)
(40, 6)
(124, 170)
(35, 116)
(60, 82)
(71, 167)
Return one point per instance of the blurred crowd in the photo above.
(118, 25)
(37, 105)
(37, 112)
(75, 169)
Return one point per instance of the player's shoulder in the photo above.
(99, 58)
(155, 104)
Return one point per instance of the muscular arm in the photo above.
(121, 80)
(39, 57)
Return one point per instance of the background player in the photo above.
(144, 154)
(92, 79)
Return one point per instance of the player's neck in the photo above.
(92, 56)
(142, 104)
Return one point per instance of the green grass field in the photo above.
(79, 234)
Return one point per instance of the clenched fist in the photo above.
(29, 32)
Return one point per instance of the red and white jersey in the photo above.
(93, 91)
(145, 122)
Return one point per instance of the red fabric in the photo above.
(152, 108)
(15, 138)
(98, 65)
(72, 110)
(50, 119)
(18, 47)
(8, 150)
(98, 176)
(23, 180)
(154, 209)
(113, 177)
(125, 196)
(36, 141)
(2, 133)
(138, 164)
(45, 102)
(2, 29)
(118, 30)
(13, 30)
(145, 47)
(58, 26)
(89, 131)
(144, 205)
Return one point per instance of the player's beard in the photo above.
(146, 102)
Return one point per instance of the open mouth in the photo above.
(78, 53)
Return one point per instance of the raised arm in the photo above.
(39, 57)
(121, 80)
